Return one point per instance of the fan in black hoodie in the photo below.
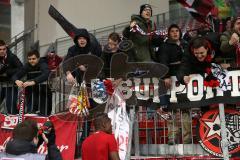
(85, 43)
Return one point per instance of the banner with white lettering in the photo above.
(195, 94)
(65, 133)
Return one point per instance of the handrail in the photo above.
(23, 33)
(119, 24)
(162, 20)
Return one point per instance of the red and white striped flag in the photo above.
(199, 9)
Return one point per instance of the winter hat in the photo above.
(142, 7)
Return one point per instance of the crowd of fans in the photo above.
(184, 54)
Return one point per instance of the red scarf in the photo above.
(109, 87)
(210, 80)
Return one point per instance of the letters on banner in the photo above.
(194, 94)
(116, 109)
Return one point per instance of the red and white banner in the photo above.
(65, 133)
(116, 109)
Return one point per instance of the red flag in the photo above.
(65, 128)
(202, 7)
(199, 9)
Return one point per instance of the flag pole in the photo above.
(132, 119)
(224, 141)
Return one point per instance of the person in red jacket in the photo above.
(53, 60)
(101, 145)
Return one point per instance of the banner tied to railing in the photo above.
(209, 132)
(195, 94)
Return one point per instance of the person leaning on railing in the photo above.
(37, 72)
(84, 44)
(171, 54)
(9, 65)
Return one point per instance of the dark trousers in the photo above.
(10, 95)
(86, 127)
(39, 98)
(86, 124)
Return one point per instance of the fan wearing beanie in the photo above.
(146, 8)
(143, 43)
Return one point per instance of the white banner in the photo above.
(116, 109)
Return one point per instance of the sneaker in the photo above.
(164, 115)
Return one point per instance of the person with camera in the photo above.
(9, 65)
(23, 143)
(47, 135)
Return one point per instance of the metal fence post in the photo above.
(224, 141)
(132, 119)
(164, 18)
(136, 135)
(157, 17)
(114, 28)
(15, 47)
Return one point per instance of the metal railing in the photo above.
(21, 43)
(153, 134)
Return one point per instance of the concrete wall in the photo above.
(17, 18)
(90, 14)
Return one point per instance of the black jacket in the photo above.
(191, 65)
(10, 64)
(39, 73)
(171, 55)
(18, 147)
(107, 57)
(92, 46)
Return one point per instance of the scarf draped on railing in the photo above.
(21, 104)
(78, 101)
